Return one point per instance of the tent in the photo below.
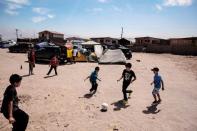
(81, 58)
(112, 57)
(90, 43)
(98, 49)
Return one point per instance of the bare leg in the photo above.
(159, 97)
(155, 97)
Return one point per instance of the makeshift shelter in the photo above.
(81, 57)
(93, 47)
(112, 57)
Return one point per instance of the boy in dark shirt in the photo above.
(127, 76)
(93, 77)
(17, 117)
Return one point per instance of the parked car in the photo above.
(45, 53)
(3, 44)
(127, 52)
(20, 48)
(7, 44)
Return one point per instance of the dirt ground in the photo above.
(61, 103)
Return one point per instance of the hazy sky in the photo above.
(97, 18)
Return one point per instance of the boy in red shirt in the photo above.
(53, 63)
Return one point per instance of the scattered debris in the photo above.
(87, 108)
(66, 125)
(138, 60)
(115, 129)
(24, 98)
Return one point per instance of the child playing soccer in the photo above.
(93, 77)
(54, 64)
(17, 117)
(158, 82)
(128, 77)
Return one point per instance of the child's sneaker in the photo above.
(125, 102)
(154, 102)
(159, 101)
(130, 93)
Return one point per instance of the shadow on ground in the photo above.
(119, 105)
(152, 109)
(88, 95)
(25, 75)
(49, 76)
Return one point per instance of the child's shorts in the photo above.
(155, 91)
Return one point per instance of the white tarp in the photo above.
(90, 43)
(112, 57)
(98, 49)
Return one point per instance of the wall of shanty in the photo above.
(50, 35)
(56, 38)
(106, 40)
(152, 48)
(186, 46)
(27, 40)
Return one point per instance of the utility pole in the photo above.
(17, 33)
(0, 37)
(122, 33)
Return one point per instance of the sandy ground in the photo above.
(60, 103)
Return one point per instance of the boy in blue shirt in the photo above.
(93, 77)
(158, 82)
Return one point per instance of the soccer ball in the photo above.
(104, 106)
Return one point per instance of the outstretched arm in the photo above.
(86, 78)
(162, 84)
(133, 79)
(120, 78)
(98, 79)
(152, 82)
(10, 109)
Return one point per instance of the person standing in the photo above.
(69, 55)
(31, 60)
(75, 52)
